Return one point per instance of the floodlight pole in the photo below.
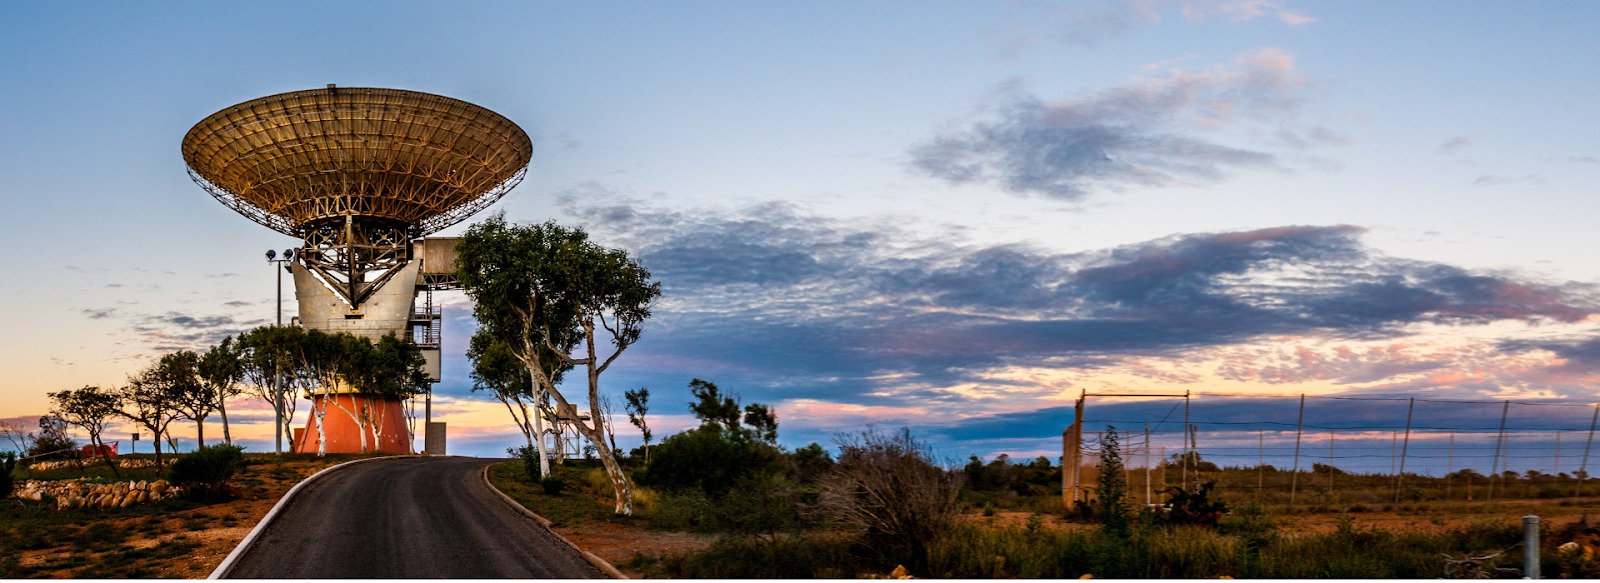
(277, 372)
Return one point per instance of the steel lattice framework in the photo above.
(357, 173)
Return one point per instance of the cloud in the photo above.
(1584, 159)
(1453, 145)
(98, 314)
(1493, 180)
(871, 314)
(1160, 131)
(1238, 11)
(174, 331)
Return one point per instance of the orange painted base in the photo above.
(344, 434)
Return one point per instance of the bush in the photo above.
(530, 461)
(8, 462)
(52, 443)
(552, 484)
(888, 487)
(710, 458)
(1185, 507)
(207, 471)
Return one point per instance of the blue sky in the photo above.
(943, 215)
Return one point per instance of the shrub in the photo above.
(1111, 508)
(8, 462)
(1196, 507)
(530, 461)
(207, 471)
(52, 442)
(552, 484)
(710, 458)
(889, 487)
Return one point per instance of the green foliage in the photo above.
(89, 408)
(638, 406)
(52, 441)
(811, 463)
(720, 452)
(1196, 508)
(530, 460)
(709, 458)
(712, 407)
(1320, 469)
(552, 484)
(807, 556)
(390, 368)
(1195, 462)
(761, 505)
(545, 292)
(8, 463)
(206, 471)
(1111, 505)
(1001, 476)
(972, 550)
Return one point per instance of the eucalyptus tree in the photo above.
(91, 409)
(222, 369)
(269, 361)
(153, 396)
(501, 374)
(638, 406)
(195, 398)
(547, 291)
(389, 369)
(326, 361)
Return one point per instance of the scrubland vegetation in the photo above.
(880, 500)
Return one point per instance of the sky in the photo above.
(954, 217)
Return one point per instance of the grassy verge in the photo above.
(175, 537)
(578, 503)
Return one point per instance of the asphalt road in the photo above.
(406, 518)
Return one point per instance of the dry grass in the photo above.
(177, 537)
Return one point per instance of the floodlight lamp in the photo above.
(288, 254)
(271, 254)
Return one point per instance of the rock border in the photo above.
(593, 559)
(250, 539)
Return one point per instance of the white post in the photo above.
(1530, 547)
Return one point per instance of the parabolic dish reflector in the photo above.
(295, 160)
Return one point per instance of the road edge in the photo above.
(592, 558)
(249, 539)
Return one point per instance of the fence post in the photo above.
(1294, 475)
(1498, 444)
(1186, 441)
(1147, 491)
(1399, 478)
(1583, 470)
(1530, 547)
(1071, 448)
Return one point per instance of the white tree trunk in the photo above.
(222, 407)
(360, 421)
(538, 430)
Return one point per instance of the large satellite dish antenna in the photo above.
(357, 173)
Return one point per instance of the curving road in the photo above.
(406, 518)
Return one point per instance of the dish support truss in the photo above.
(354, 256)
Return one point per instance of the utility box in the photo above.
(433, 439)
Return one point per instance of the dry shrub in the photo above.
(888, 488)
